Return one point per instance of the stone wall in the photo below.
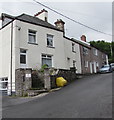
(28, 79)
(25, 78)
(23, 81)
(69, 75)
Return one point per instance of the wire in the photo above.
(71, 19)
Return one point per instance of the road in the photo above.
(89, 97)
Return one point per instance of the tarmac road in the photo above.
(89, 97)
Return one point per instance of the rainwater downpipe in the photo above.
(11, 58)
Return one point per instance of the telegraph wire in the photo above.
(71, 18)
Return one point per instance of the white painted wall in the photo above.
(72, 55)
(0, 53)
(34, 51)
(5, 51)
(5, 48)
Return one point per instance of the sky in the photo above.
(97, 15)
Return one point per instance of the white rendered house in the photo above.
(30, 42)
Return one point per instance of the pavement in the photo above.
(8, 101)
(89, 97)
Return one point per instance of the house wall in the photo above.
(85, 58)
(0, 53)
(34, 52)
(5, 48)
(100, 59)
(72, 55)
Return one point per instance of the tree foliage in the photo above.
(113, 51)
(106, 47)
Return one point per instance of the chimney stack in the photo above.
(43, 15)
(60, 24)
(83, 38)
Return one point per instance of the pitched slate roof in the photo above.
(31, 19)
(79, 42)
(82, 43)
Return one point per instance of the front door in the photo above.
(91, 68)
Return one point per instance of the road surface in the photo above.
(89, 97)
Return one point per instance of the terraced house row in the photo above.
(31, 41)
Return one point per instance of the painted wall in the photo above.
(0, 53)
(5, 48)
(70, 56)
(34, 52)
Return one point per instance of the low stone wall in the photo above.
(69, 75)
(31, 80)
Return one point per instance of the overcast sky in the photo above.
(97, 15)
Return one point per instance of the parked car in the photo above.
(112, 66)
(105, 69)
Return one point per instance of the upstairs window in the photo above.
(73, 47)
(95, 51)
(49, 40)
(32, 36)
(85, 50)
(22, 56)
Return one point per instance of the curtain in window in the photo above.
(47, 62)
(32, 39)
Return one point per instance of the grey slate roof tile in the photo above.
(32, 20)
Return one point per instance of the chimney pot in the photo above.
(83, 38)
(60, 24)
(43, 15)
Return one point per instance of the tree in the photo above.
(113, 52)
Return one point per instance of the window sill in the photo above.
(85, 54)
(51, 47)
(32, 43)
(74, 51)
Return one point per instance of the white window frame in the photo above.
(95, 51)
(4, 83)
(50, 38)
(97, 64)
(32, 33)
(25, 54)
(47, 56)
(86, 64)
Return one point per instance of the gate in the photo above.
(37, 82)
